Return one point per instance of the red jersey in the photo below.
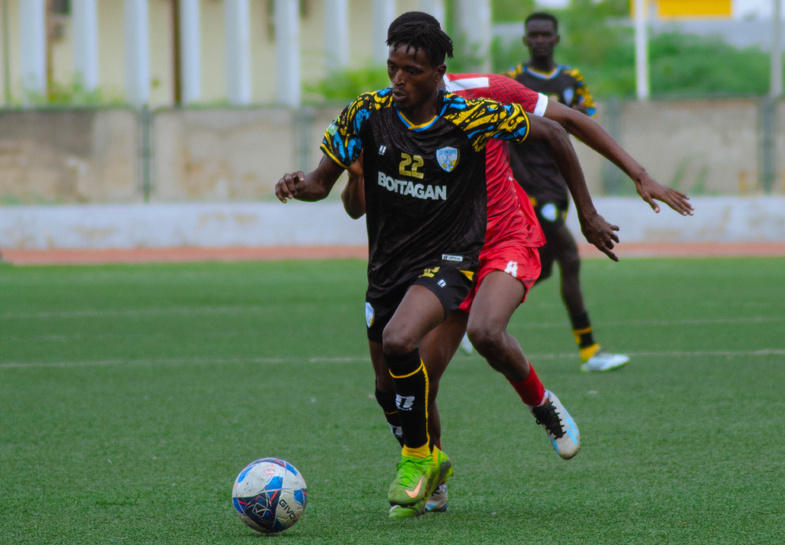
(511, 219)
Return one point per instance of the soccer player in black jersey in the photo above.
(424, 163)
(537, 173)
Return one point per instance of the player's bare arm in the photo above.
(595, 229)
(314, 186)
(596, 137)
(353, 195)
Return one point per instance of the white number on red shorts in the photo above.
(512, 269)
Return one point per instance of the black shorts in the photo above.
(551, 214)
(449, 284)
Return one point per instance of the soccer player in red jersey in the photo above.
(509, 261)
(426, 214)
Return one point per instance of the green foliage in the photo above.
(74, 93)
(687, 65)
(595, 39)
(344, 85)
(512, 11)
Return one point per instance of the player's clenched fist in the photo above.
(286, 187)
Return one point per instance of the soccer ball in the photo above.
(269, 495)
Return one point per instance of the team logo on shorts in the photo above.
(447, 158)
(549, 212)
(370, 314)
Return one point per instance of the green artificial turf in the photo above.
(131, 396)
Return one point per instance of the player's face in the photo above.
(541, 38)
(414, 78)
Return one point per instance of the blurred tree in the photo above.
(596, 38)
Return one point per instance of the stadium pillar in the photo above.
(190, 51)
(474, 20)
(435, 8)
(287, 52)
(32, 62)
(137, 51)
(642, 49)
(85, 17)
(336, 34)
(776, 51)
(383, 13)
(237, 36)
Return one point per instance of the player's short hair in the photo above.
(420, 30)
(542, 16)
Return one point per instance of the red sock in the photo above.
(530, 389)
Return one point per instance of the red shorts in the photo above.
(521, 262)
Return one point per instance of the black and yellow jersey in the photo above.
(531, 164)
(425, 190)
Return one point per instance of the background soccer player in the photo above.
(535, 170)
(426, 217)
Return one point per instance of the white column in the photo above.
(287, 52)
(642, 49)
(190, 51)
(776, 52)
(137, 51)
(435, 8)
(336, 33)
(238, 51)
(32, 61)
(85, 17)
(383, 13)
(475, 23)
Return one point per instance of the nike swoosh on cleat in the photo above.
(414, 493)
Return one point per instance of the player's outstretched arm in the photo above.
(596, 137)
(313, 186)
(594, 227)
(353, 195)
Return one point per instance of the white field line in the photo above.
(141, 312)
(365, 359)
(260, 309)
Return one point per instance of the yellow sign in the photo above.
(689, 8)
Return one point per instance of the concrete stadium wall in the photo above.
(68, 156)
(201, 225)
(223, 155)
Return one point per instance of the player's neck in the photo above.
(544, 65)
(423, 114)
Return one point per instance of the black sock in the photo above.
(386, 401)
(411, 396)
(581, 328)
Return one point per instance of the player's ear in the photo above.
(440, 71)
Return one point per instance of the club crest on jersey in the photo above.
(370, 314)
(447, 158)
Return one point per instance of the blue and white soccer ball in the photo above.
(269, 495)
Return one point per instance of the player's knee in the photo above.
(396, 342)
(570, 264)
(485, 337)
